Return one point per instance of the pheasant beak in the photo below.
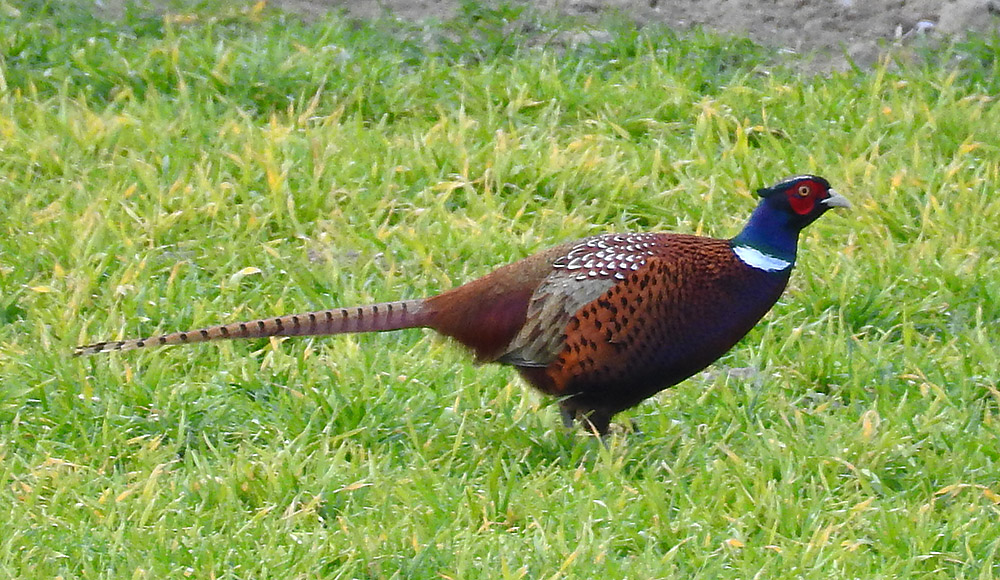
(836, 200)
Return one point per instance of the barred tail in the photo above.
(372, 318)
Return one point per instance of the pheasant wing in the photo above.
(587, 271)
(551, 308)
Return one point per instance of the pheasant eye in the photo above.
(804, 191)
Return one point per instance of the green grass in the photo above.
(216, 165)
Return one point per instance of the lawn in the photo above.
(160, 173)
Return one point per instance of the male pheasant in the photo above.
(603, 322)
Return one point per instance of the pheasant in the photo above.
(603, 322)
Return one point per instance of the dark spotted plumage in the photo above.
(604, 322)
(684, 307)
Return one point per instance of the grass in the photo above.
(212, 165)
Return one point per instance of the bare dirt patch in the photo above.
(832, 31)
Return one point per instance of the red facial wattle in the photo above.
(802, 205)
(803, 198)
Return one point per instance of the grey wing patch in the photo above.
(552, 306)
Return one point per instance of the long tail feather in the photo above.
(371, 318)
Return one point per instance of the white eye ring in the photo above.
(804, 191)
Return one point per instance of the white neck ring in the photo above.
(756, 259)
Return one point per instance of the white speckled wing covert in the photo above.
(610, 255)
(579, 277)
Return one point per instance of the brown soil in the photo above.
(831, 31)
